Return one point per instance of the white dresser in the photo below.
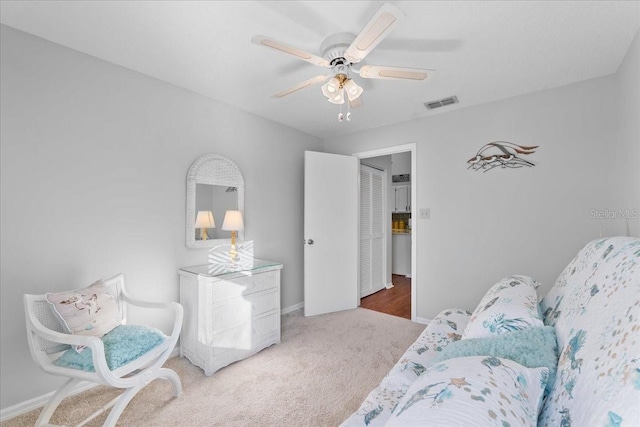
(229, 314)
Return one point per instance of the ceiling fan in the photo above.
(340, 52)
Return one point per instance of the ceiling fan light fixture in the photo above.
(353, 90)
(330, 88)
(337, 98)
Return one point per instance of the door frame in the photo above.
(412, 147)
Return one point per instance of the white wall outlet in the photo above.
(425, 213)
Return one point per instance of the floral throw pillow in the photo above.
(473, 391)
(89, 311)
(510, 305)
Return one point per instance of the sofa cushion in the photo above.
(510, 305)
(470, 391)
(376, 409)
(595, 309)
(532, 348)
(121, 346)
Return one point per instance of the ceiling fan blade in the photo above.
(285, 48)
(393, 73)
(373, 33)
(312, 81)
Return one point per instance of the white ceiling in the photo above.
(481, 51)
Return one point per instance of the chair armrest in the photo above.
(147, 304)
(176, 307)
(94, 343)
(62, 338)
(450, 322)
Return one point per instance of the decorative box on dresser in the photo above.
(229, 313)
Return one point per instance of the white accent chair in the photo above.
(47, 341)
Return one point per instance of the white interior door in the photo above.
(372, 236)
(330, 233)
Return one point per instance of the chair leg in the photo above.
(56, 399)
(130, 393)
(173, 378)
(122, 403)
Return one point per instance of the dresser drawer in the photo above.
(244, 336)
(245, 285)
(229, 316)
(236, 311)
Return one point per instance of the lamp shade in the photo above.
(233, 221)
(352, 89)
(330, 88)
(338, 97)
(205, 220)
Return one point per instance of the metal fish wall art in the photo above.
(501, 154)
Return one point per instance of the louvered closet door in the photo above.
(372, 238)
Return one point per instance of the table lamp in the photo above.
(204, 220)
(233, 222)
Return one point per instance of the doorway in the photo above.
(395, 301)
(399, 295)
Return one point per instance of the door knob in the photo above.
(310, 241)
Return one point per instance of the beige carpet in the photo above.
(317, 376)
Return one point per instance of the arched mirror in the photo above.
(214, 186)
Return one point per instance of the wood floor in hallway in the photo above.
(395, 301)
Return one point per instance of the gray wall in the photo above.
(93, 177)
(401, 164)
(531, 221)
(94, 160)
(627, 181)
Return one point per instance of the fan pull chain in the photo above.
(341, 116)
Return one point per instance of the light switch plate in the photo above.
(425, 213)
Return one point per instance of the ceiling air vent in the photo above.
(441, 102)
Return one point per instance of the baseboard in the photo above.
(423, 320)
(175, 352)
(291, 308)
(389, 285)
(40, 401)
(37, 402)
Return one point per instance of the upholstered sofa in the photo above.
(586, 374)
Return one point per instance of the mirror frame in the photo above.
(211, 169)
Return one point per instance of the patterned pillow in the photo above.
(90, 311)
(532, 348)
(510, 305)
(473, 391)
